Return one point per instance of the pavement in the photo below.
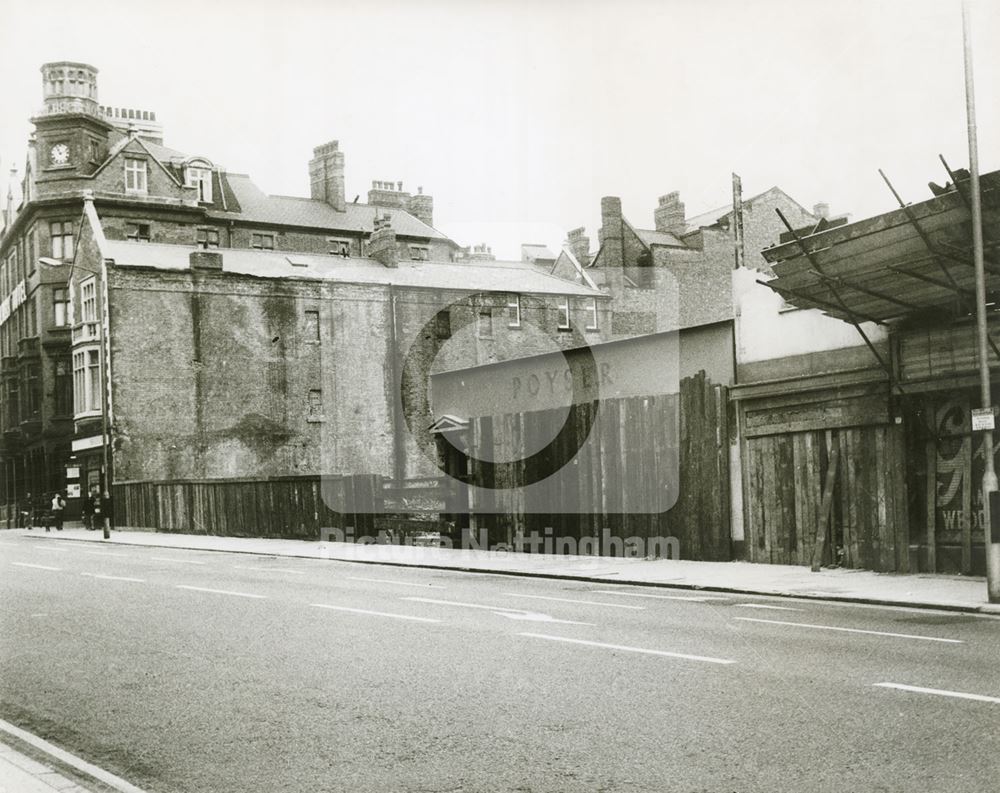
(22, 774)
(947, 592)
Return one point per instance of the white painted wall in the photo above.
(764, 331)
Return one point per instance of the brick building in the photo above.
(141, 193)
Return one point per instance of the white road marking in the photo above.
(940, 692)
(114, 578)
(500, 611)
(852, 630)
(115, 782)
(174, 559)
(220, 591)
(269, 569)
(399, 583)
(624, 648)
(40, 614)
(691, 598)
(374, 613)
(50, 548)
(106, 553)
(765, 606)
(571, 600)
(36, 566)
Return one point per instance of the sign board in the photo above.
(982, 419)
(73, 490)
(72, 472)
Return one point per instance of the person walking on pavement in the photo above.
(27, 511)
(58, 504)
(88, 509)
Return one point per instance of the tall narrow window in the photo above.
(315, 405)
(514, 311)
(312, 326)
(563, 320)
(64, 388)
(32, 391)
(592, 314)
(135, 175)
(13, 403)
(88, 301)
(60, 303)
(31, 312)
(61, 235)
(486, 324)
(93, 380)
(202, 179)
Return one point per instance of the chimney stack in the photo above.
(669, 215)
(422, 207)
(579, 244)
(382, 243)
(206, 260)
(326, 175)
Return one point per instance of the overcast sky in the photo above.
(518, 116)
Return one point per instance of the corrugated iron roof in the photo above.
(908, 261)
(467, 276)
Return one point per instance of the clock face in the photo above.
(59, 154)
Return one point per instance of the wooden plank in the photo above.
(801, 493)
(967, 488)
(887, 555)
(931, 505)
(826, 506)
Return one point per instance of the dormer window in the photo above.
(135, 175)
(200, 176)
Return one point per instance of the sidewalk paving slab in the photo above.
(21, 774)
(918, 590)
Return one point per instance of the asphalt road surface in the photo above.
(197, 671)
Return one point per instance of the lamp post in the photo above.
(990, 542)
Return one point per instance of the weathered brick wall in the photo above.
(212, 371)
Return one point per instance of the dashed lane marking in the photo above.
(940, 692)
(852, 630)
(397, 583)
(625, 648)
(114, 577)
(174, 559)
(221, 591)
(690, 598)
(573, 600)
(374, 613)
(36, 566)
(765, 606)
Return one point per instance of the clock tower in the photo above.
(72, 134)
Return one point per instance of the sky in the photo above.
(519, 116)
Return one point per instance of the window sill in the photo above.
(319, 420)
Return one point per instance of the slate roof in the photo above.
(254, 205)
(470, 276)
(650, 237)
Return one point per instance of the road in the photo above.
(198, 671)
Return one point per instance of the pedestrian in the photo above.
(27, 511)
(88, 510)
(58, 504)
(107, 511)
